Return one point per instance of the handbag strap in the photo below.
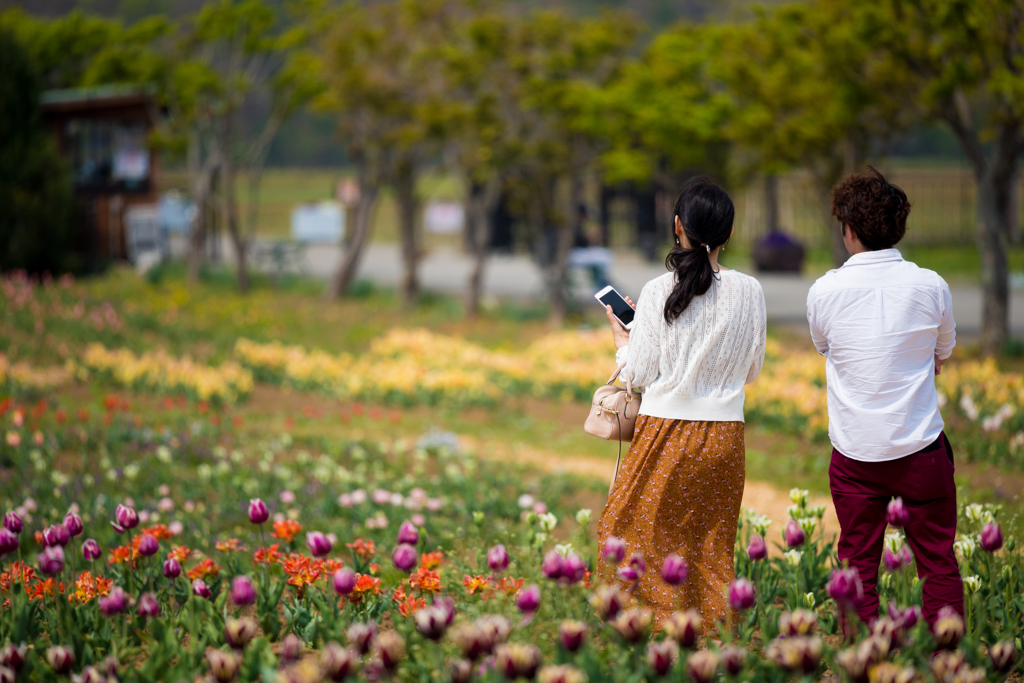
(628, 382)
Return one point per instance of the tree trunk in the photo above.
(345, 274)
(771, 203)
(994, 193)
(238, 240)
(482, 203)
(559, 267)
(200, 177)
(408, 208)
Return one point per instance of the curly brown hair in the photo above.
(875, 209)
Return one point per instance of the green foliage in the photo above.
(35, 185)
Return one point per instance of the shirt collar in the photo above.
(880, 256)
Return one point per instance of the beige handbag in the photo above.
(613, 414)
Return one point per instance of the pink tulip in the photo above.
(573, 569)
(553, 565)
(674, 570)
(148, 545)
(73, 523)
(172, 569)
(149, 606)
(200, 589)
(991, 537)
(91, 550)
(242, 591)
(571, 634)
(757, 550)
(404, 557)
(529, 599)
(497, 558)
(114, 603)
(845, 587)
(8, 541)
(318, 544)
(408, 533)
(793, 534)
(896, 513)
(126, 518)
(13, 523)
(51, 560)
(614, 550)
(741, 595)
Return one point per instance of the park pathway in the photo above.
(447, 270)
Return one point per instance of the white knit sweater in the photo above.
(695, 367)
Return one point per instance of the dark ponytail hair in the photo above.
(706, 213)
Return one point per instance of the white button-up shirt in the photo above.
(880, 322)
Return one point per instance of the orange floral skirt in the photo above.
(679, 490)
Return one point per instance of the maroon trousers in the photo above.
(862, 490)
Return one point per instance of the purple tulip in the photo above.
(344, 581)
(91, 549)
(529, 599)
(60, 658)
(1002, 655)
(408, 533)
(258, 512)
(635, 569)
(661, 655)
(573, 568)
(148, 545)
(114, 603)
(56, 534)
(242, 591)
(447, 607)
(172, 569)
(793, 534)
(361, 636)
(948, 628)
(733, 659)
(571, 634)
(892, 561)
(674, 570)
(238, 632)
(13, 656)
(845, 587)
(757, 550)
(51, 560)
(126, 518)
(337, 662)
(73, 523)
(149, 606)
(404, 557)
(905, 619)
(199, 588)
(318, 544)
(684, 627)
(431, 621)
(291, 648)
(991, 537)
(614, 550)
(741, 595)
(8, 541)
(13, 523)
(497, 558)
(896, 513)
(553, 565)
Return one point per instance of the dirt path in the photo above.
(758, 495)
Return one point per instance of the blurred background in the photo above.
(312, 215)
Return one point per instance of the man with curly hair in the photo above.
(885, 327)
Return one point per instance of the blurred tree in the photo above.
(385, 86)
(233, 54)
(485, 123)
(969, 58)
(567, 65)
(808, 89)
(35, 184)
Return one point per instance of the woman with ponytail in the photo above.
(698, 338)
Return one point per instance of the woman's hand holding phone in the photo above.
(620, 335)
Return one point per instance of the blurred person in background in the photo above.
(698, 338)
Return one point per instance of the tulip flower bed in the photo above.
(137, 550)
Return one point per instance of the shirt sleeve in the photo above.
(947, 327)
(817, 334)
(760, 335)
(643, 353)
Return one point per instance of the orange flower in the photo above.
(476, 585)
(301, 570)
(181, 553)
(407, 605)
(510, 586)
(286, 530)
(88, 587)
(362, 549)
(204, 569)
(426, 580)
(365, 585)
(269, 555)
(38, 536)
(374, 568)
(14, 570)
(330, 566)
(231, 545)
(44, 588)
(431, 560)
(119, 555)
(159, 532)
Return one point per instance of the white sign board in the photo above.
(444, 218)
(322, 223)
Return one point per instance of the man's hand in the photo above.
(620, 335)
(938, 365)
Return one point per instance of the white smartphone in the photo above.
(623, 312)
